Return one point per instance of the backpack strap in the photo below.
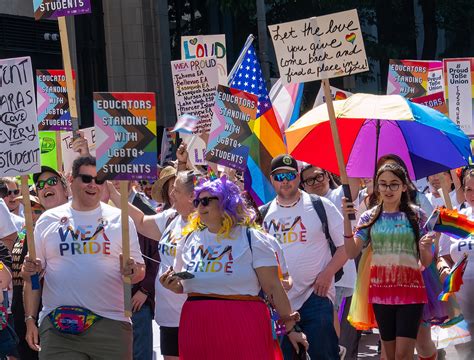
(319, 208)
(264, 209)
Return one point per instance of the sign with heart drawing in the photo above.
(19, 140)
(318, 48)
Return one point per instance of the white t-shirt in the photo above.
(438, 201)
(299, 231)
(167, 303)
(18, 221)
(224, 266)
(7, 227)
(162, 218)
(457, 248)
(349, 277)
(80, 251)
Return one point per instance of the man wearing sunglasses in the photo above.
(79, 247)
(14, 205)
(293, 220)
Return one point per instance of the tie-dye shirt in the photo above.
(395, 274)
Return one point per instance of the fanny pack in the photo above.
(73, 319)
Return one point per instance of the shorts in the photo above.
(169, 341)
(341, 293)
(398, 320)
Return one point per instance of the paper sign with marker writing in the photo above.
(52, 101)
(125, 126)
(19, 139)
(337, 94)
(319, 48)
(435, 77)
(66, 146)
(458, 74)
(233, 111)
(52, 9)
(195, 83)
(202, 46)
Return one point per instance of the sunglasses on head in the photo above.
(53, 180)
(13, 192)
(288, 176)
(87, 179)
(204, 201)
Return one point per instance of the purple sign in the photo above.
(52, 9)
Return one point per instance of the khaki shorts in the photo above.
(105, 340)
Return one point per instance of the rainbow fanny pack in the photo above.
(73, 319)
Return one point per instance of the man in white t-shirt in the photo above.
(318, 181)
(292, 219)
(79, 246)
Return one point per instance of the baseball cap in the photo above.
(46, 169)
(284, 162)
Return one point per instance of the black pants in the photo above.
(398, 320)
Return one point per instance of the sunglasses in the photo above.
(204, 201)
(13, 192)
(53, 180)
(87, 179)
(288, 176)
(146, 182)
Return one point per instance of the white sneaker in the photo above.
(342, 352)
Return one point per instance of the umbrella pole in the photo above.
(377, 136)
(337, 143)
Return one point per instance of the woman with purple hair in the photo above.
(226, 260)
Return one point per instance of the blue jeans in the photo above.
(317, 322)
(142, 334)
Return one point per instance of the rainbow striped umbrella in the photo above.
(371, 126)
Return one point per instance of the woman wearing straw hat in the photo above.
(162, 188)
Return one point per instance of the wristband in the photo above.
(30, 317)
(295, 328)
(295, 316)
(348, 236)
(145, 291)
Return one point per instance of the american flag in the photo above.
(268, 140)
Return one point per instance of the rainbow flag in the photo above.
(266, 141)
(451, 223)
(454, 281)
(286, 101)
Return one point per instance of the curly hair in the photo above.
(406, 205)
(234, 208)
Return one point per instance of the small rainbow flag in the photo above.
(211, 174)
(451, 223)
(454, 281)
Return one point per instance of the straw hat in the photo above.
(33, 199)
(167, 173)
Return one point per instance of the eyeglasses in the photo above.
(313, 180)
(53, 180)
(13, 192)
(87, 179)
(392, 187)
(146, 182)
(288, 176)
(204, 201)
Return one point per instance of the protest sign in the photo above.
(435, 101)
(407, 78)
(196, 147)
(48, 148)
(125, 126)
(52, 102)
(435, 77)
(195, 83)
(68, 154)
(319, 48)
(336, 94)
(52, 9)
(458, 75)
(19, 139)
(203, 46)
(233, 112)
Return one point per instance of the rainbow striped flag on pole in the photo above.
(267, 140)
(454, 281)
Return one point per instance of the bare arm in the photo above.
(145, 224)
(271, 285)
(31, 301)
(9, 241)
(324, 278)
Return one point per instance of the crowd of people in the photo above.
(221, 277)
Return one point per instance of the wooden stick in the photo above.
(25, 192)
(337, 143)
(59, 153)
(71, 89)
(127, 281)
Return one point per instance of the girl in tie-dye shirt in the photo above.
(394, 230)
